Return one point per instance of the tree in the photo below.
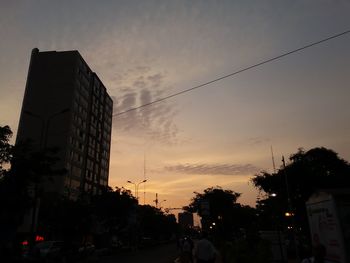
(154, 224)
(219, 201)
(5, 148)
(224, 215)
(114, 207)
(26, 168)
(101, 216)
(307, 171)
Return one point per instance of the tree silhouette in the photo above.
(225, 216)
(154, 224)
(5, 148)
(219, 201)
(27, 168)
(307, 171)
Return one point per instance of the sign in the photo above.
(325, 226)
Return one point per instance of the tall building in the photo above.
(186, 219)
(66, 105)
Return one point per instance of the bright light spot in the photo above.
(39, 238)
(25, 243)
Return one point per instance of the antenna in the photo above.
(144, 178)
(156, 201)
(273, 161)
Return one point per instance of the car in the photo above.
(49, 248)
(47, 251)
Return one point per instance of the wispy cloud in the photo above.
(155, 121)
(213, 169)
(258, 140)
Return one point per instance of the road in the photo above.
(165, 253)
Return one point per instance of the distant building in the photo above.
(66, 105)
(186, 219)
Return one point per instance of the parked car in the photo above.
(50, 249)
(46, 251)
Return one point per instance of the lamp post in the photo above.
(45, 124)
(278, 227)
(137, 187)
(290, 213)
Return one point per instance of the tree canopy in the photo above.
(5, 148)
(26, 168)
(306, 172)
(217, 198)
(221, 213)
(111, 213)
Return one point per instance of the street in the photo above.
(165, 253)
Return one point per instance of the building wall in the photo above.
(186, 219)
(66, 105)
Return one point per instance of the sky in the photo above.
(221, 134)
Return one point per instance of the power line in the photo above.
(234, 73)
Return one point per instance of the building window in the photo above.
(75, 184)
(81, 134)
(76, 171)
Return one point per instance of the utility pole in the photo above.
(287, 185)
(290, 209)
(273, 161)
(156, 201)
(144, 178)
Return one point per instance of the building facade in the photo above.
(66, 105)
(186, 219)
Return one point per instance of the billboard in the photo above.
(325, 226)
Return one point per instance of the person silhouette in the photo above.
(205, 251)
(186, 250)
(319, 254)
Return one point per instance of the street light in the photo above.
(136, 187)
(288, 214)
(278, 228)
(290, 209)
(45, 124)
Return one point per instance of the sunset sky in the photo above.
(220, 134)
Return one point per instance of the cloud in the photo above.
(258, 140)
(139, 87)
(128, 100)
(213, 169)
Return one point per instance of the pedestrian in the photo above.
(205, 251)
(186, 250)
(319, 253)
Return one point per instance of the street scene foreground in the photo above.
(165, 253)
(113, 226)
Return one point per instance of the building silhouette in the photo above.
(185, 219)
(66, 105)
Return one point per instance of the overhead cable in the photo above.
(232, 74)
